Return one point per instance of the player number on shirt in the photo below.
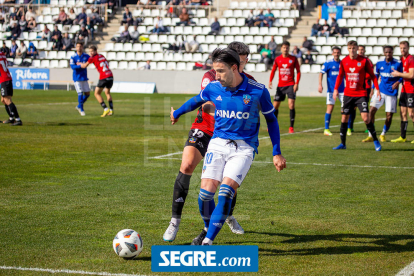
(3, 64)
(104, 66)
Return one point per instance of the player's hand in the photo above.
(378, 95)
(395, 85)
(372, 93)
(335, 94)
(295, 88)
(280, 162)
(270, 85)
(395, 73)
(173, 120)
(320, 89)
(79, 63)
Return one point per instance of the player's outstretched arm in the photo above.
(272, 74)
(73, 65)
(188, 106)
(320, 88)
(84, 65)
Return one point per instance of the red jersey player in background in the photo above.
(355, 68)
(287, 85)
(407, 91)
(106, 79)
(6, 85)
(194, 150)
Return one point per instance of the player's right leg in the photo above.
(82, 88)
(194, 151)
(362, 103)
(330, 103)
(390, 109)
(404, 119)
(98, 92)
(372, 113)
(6, 99)
(279, 97)
(348, 104)
(109, 98)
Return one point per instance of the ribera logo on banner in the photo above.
(216, 258)
(19, 74)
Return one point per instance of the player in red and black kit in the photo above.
(106, 80)
(407, 91)
(6, 85)
(355, 67)
(194, 150)
(287, 85)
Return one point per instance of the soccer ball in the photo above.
(128, 244)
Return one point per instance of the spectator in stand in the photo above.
(195, 2)
(56, 38)
(192, 46)
(184, 18)
(94, 18)
(125, 36)
(335, 29)
(112, 5)
(297, 53)
(135, 34)
(31, 24)
(81, 18)
(215, 27)
(82, 35)
(324, 30)
(46, 33)
(2, 16)
(147, 66)
(306, 45)
(297, 5)
(23, 24)
(258, 20)
(127, 17)
(62, 17)
(20, 13)
(15, 32)
(272, 46)
(5, 49)
(9, 2)
(71, 17)
(249, 21)
(140, 17)
(158, 26)
(22, 50)
(208, 64)
(266, 56)
(269, 19)
(30, 14)
(13, 49)
(315, 28)
(13, 20)
(308, 59)
(32, 51)
(67, 44)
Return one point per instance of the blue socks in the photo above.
(206, 205)
(84, 98)
(81, 100)
(221, 212)
(385, 129)
(327, 120)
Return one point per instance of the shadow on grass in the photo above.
(67, 124)
(366, 243)
(145, 259)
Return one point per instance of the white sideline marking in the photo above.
(63, 103)
(265, 137)
(316, 164)
(407, 271)
(65, 271)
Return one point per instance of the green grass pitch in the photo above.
(68, 184)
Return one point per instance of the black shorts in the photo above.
(282, 91)
(350, 103)
(106, 83)
(6, 89)
(407, 100)
(199, 140)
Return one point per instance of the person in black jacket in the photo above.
(127, 17)
(5, 49)
(15, 32)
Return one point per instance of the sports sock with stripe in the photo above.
(206, 206)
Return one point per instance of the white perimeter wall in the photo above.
(186, 81)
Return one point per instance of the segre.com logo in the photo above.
(216, 258)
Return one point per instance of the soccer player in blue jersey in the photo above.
(331, 68)
(231, 150)
(388, 88)
(80, 76)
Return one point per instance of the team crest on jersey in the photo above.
(192, 140)
(290, 61)
(205, 82)
(333, 67)
(246, 98)
(359, 64)
(392, 68)
(382, 68)
(284, 65)
(352, 69)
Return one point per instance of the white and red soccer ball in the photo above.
(128, 244)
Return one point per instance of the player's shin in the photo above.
(343, 130)
(404, 125)
(351, 119)
(8, 112)
(104, 105)
(292, 117)
(327, 120)
(220, 213)
(233, 204)
(206, 206)
(181, 186)
(84, 98)
(80, 101)
(13, 111)
(371, 129)
(111, 105)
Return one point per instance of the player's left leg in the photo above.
(109, 98)
(11, 119)
(390, 109)
(362, 106)
(347, 104)
(6, 98)
(330, 103)
(372, 112)
(292, 114)
(98, 91)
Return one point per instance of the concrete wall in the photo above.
(185, 81)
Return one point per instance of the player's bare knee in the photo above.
(187, 167)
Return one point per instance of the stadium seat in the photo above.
(320, 59)
(130, 56)
(260, 67)
(36, 63)
(372, 41)
(109, 47)
(63, 64)
(140, 56)
(397, 32)
(382, 41)
(305, 68)
(250, 67)
(111, 56)
(52, 55)
(127, 47)
(61, 55)
(44, 64)
(408, 32)
(120, 56)
(315, 68)
(181, 66)
(54, 64)
(123, 65)
(132, 65)
(113, 65)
